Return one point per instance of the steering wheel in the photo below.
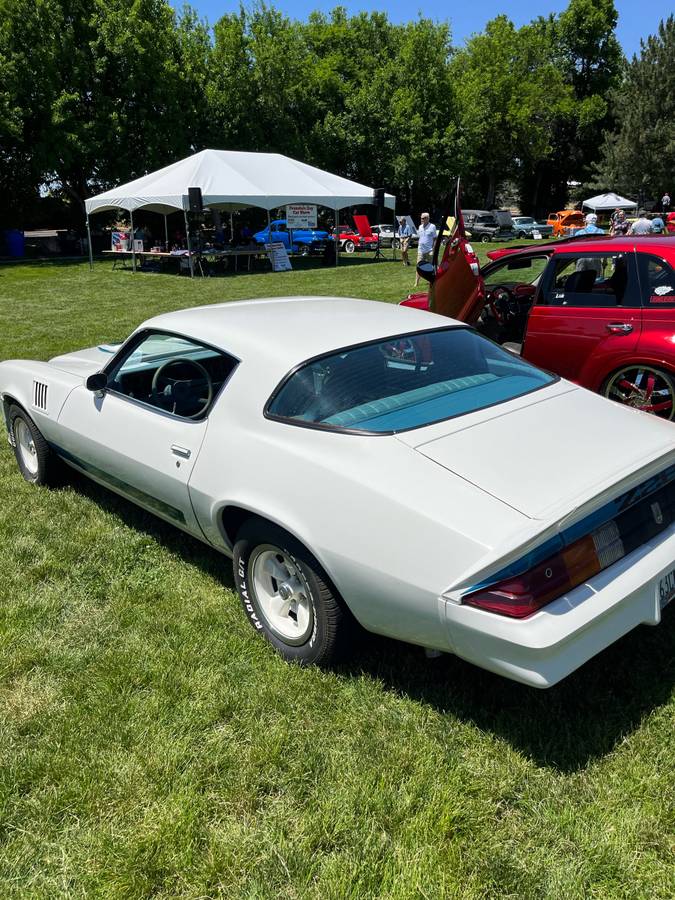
(502, 303)
(183, 382)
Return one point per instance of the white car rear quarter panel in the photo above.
(391, 528)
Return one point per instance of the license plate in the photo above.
(665, 589)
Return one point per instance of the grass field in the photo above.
(151, 745)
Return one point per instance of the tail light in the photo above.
(521, 595)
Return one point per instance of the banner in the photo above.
(278, 257)
(301, 215)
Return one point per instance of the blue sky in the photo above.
(636, 19)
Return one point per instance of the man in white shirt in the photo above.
(642, 225)
(427, 238)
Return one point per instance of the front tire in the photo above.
(286, 595)
(35, 459)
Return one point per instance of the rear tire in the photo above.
(349, 247)
(648, 388)
(287, 596)
(36, 461)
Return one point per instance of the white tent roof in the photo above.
(232, 180)
(609, 200)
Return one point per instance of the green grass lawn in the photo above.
(151, 745)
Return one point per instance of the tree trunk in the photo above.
(492, 190)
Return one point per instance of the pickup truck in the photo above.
(295, 240)
(490, 225)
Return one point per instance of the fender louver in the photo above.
(40, 395)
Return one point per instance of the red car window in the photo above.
(658, 281)
(592, 280)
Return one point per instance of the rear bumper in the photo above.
(544, 649)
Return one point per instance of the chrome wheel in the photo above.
(282, 593)
(26, 446)
(643, 387)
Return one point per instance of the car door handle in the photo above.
(619, 328)
(181, 451)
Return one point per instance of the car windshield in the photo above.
(524, 220)
(404, 382)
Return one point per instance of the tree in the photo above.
(510, 93)
(638, 158)
(583, 47)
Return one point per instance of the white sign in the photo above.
(301, 215)
(277, 255)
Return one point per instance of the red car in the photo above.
(599, 311)
(362, 238)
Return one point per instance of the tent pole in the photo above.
(187, 236)
(393, 240)
(231, 231)
(166, 233)
(337, 235)
(133, 249)
(91, 255)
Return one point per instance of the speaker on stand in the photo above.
(378, 202)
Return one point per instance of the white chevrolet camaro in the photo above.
(362, 462)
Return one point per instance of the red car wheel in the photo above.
(643, 387)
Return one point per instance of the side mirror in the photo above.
(426, 271)
(97, 382)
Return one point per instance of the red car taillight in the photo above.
(521, 595)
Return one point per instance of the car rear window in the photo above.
(404, 382)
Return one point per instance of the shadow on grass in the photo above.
(565, 727)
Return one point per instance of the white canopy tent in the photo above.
(231, 180)
(608, 201)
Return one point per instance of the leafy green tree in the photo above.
(638, 158)
(510, 93)
(582, 45)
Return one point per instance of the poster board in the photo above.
(278, 257)
(301, 215)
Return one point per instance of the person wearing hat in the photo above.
(642, 225)
(590, 226)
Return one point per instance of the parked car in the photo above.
(599, 311)
(348, 239)
(485, 226)
(295, 240)
(360, 237)
(526, 225)
(565, 222)
(388, 236)
(352, 474)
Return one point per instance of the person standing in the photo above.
(658, 225)
(404, 234)
(642, 225)
(665, 202)
(619, 225)
(590, 226)
(426, 234)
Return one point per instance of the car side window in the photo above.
(592, 280)
(171, 373)
(658, 282)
